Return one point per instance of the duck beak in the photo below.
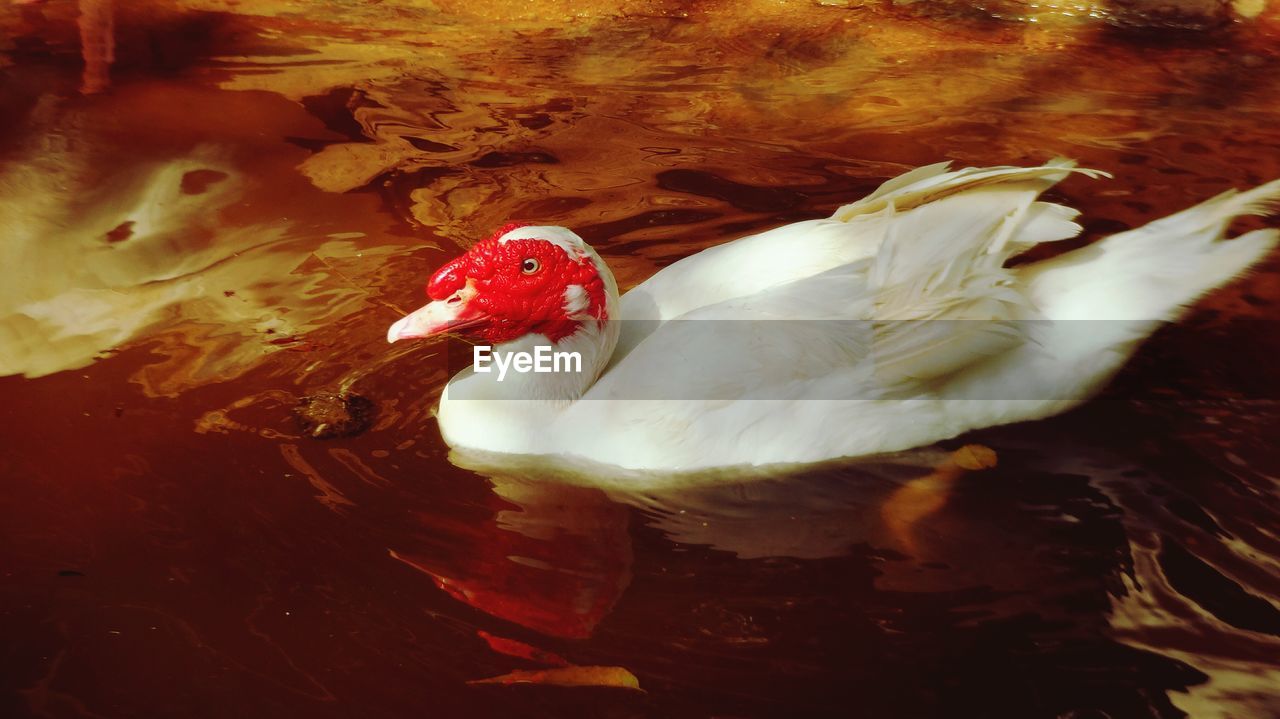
(450, 315)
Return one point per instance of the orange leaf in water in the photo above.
(513, 648)
(974, 457)
(569, 677)
(914, 501)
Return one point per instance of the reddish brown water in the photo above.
(227, 217)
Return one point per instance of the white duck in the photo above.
(892, 324)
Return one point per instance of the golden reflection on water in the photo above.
(231, 212)
(620, 128)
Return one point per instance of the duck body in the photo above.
(893, 324)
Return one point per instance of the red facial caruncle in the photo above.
(520, 287)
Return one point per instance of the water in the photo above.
(225, 217)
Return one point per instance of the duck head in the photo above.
(523, 281)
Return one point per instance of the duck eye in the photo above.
(530, 266)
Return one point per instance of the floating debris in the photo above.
(326, 415)
(569, 677)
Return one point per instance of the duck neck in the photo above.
(534, 367)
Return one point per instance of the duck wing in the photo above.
(923, 294)
(755, 264)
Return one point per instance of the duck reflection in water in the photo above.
(941, 539)
(555, 558)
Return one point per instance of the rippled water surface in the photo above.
(209, 214)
